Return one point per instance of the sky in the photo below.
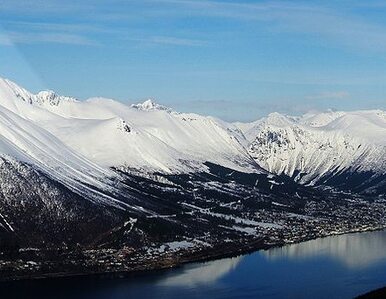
(236, 60)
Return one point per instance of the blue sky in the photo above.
(238, 60)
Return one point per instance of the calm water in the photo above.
(334, 267)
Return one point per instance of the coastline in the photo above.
(375, 294)
(174, 262)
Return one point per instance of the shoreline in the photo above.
(374, 294)
(164, 264)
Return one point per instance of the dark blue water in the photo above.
(333, 267)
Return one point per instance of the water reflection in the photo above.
(354, 250)
(207, 273)
(335, 267)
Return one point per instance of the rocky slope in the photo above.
(345, 150)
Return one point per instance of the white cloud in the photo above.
(43, 6)
(11, 38)
(5, 40)
(172, 41)
(328, 95)
(167, 40)
(53, 26)
(328, 23)
(325, 22)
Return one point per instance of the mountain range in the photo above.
(96, 175)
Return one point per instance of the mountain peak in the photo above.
(149, 105)
(12, 93)
(52, 98)
(47, 94)
(278, 119)
(321, 119)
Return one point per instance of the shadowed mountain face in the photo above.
(38, 211)
(136, 185)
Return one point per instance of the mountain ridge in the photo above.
(98, 186)
(152, 137)
(315, 148)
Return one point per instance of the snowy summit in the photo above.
(149, 105)
(98, 134)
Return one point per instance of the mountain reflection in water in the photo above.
(206, 273)
(353, 250)
(334, 267)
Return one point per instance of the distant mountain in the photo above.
(108, 187)
(344, 150)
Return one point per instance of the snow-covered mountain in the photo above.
(145, 136)
(90, 178)
(340, 149)
(64, 162)
(82, 140)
